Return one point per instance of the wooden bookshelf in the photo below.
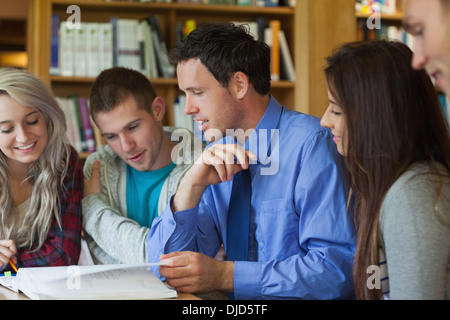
(312, 28)
(397, 16)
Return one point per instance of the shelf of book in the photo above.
(397, 16)
(127, 6)
(154, 81)
(381, 20)
(311, 30)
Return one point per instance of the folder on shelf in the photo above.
(286, 57)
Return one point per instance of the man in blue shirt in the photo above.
(300, 238)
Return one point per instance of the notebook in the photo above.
(118, 281)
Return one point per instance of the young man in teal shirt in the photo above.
(129, 181)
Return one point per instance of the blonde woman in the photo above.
(41, 178)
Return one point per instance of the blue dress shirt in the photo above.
(303, 240)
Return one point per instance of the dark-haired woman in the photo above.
(388, 125)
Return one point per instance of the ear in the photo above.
(158, 108)
(240, 84)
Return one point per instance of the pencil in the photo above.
(13, 265)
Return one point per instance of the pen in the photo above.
(13, 265)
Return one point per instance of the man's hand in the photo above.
(215, 165)
(93, 185)
(196, 273)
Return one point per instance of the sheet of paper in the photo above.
(93, 282)
(8, 282)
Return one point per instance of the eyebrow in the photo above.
(406, 25)
(129, 124)
(333, 102)
(189, 89)
(26, 116)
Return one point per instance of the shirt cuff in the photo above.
(247, 280)
(185, 220)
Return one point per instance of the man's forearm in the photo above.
(187, 196)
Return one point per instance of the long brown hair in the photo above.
(393, 120)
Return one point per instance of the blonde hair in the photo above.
(46, 174)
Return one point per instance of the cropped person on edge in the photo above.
(387, 122)
(300, 236)
(130, 180)
(429, 22)
(41, 179)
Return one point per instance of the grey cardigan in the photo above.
(110, 235)
(416, 242)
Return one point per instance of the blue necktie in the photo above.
(239, 217)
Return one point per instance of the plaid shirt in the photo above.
(63, 244)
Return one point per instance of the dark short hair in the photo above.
(113, 86)
(225, 48)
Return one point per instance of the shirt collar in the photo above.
(259, 142)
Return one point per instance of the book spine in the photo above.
(66, 50)
(286, 58)
(73, 133)
(106, 46)
(275, 50)
(80, 65)
(86, 124)
(77, 119)
(54, 54)
(93, 49)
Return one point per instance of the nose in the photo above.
(325, 121)
(21, 134)
(189, 107)
(127, 143)
(419, 58)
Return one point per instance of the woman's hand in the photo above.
(8, 251)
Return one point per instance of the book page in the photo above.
(8, 282)
(93, 282)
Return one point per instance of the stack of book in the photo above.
(93, 47)
(82, 133)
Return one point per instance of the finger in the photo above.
(211, 158)
(225, 162)
(242, 156)
(175, 259)
(251, 156)
(95, 170)
(9, 244)
(171, 254)
(182, 285)
(5, 255)
(173, 273)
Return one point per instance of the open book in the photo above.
(117, 281)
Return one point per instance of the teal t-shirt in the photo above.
(143, 189)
